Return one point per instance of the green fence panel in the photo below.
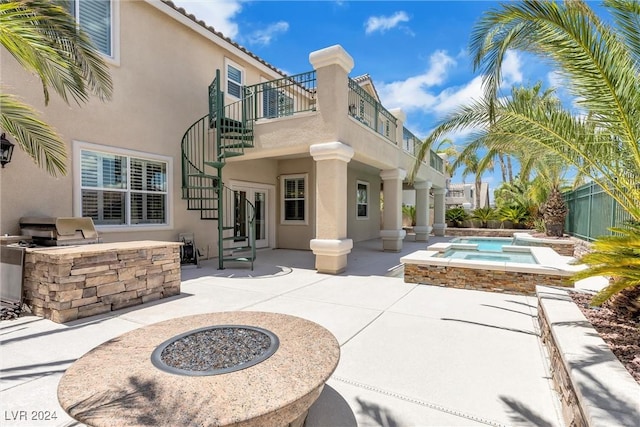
(592, 212)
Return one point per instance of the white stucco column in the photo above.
(422, 228)
(439, 224)
(401, 117)
(392, 233)
(332, 65)
(330, 245)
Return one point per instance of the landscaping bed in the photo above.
(620, 333)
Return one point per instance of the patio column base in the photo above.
(439, 229)
(331, 255)
(392, 240)
(422, 233)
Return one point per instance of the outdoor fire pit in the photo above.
(230, 368)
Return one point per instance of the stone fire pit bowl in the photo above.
(117, 384)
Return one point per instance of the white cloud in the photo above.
(384, 23)
(264, 37)
(217, 13)
(453, 97)
(413, 93)
(511, 68)
(555, 79)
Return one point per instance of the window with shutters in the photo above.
(294, 199)
(118, 188)
(235, 79)
(95, 17)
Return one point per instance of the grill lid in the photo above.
(59, 231)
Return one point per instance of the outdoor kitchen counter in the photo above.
(66, 283)
(116, 383)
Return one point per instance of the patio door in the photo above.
(259, 199)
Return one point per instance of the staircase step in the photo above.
(246, 136)
(231, 154)
(238, 248)
(216, 165)
(236, 238)
(229, 228)
(202, 175)
(237, 145)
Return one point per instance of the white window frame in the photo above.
(227, 63)
(283, 179)
(114, 58)
(367, 204)
(79, 146)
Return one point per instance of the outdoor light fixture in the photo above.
(6, 150)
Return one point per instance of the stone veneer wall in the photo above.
(480, 279)
(64, 284)
(581, 247)
(571, 412)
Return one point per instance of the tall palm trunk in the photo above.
(509, 169)
(503, 167)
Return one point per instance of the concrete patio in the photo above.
(411, 355)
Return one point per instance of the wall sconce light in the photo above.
(6, 150)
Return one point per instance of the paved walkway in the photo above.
(411, 355)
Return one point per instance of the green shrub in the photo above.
(456, 215)
(514, 213)
(485, 214)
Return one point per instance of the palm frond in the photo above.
(626, 15)
(34, 137)
(45, 40)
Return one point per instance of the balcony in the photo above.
(292, 113)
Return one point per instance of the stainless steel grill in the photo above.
(60, 231)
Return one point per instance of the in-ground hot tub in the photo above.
(119, 383)
(517, 269)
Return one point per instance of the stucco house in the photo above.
(463, 196)
(203, 136)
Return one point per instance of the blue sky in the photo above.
(415, 51)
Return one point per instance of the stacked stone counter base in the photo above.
(69, 283)
(480, 280)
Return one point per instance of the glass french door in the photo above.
(258, 199)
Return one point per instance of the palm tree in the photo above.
(44, 39)
(600, 64)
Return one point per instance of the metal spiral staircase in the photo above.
(223, 133)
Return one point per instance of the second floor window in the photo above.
(95, 17)
(234, 81)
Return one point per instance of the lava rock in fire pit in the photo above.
(215, 350)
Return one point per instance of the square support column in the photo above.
(439, 224)
(422, 228)
(392, 233)
(330, 245)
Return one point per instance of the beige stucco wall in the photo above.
(160, 89)
(363, 229)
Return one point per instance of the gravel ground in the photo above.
(620, 333)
